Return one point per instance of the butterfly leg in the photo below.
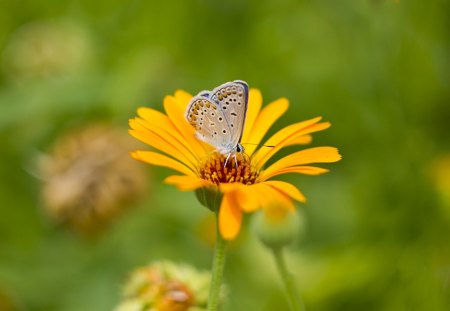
(226, 160)
(235, 160)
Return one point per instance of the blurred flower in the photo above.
(166, 286)
(45, 49)
(89, 178)
(206, 230)
(6, 302)
(242, 188)
(440, 174)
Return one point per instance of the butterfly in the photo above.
(218, 116)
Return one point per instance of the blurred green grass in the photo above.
(377, 235)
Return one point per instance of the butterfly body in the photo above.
(219, 116)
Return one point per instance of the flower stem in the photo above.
(291, 290)
(217, 269)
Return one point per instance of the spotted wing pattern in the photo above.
(209, 122)
(218, 116)
(232, 98)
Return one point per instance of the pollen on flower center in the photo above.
(215, 170)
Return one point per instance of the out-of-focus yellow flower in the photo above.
(165, 286)
(206, 230)
(89, 178)
(247, 186)
(440, 174)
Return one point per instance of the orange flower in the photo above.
(247, 187)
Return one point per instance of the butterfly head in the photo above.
(239, 148)
(230, 149)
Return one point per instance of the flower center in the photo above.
(215, 170)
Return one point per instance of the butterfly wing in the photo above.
(232, 99)
(209, 122)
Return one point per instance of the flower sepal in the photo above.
(209, 197)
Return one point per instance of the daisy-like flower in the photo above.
(166, 286)
(247, 186)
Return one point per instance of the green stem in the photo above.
(291, 290)
(217, 270)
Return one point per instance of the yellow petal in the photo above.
(187, 183)
(264, 121)
(300, 140)
(161, 123)
(230, 217)
(253, 108)
(273, 197)
(158, 159)
(230, 187)
(162, 141)
(306, 170)
(176, 116)
(287, 188)
(284, 136)
(251, 197)
(261, 195)
(307, 156)
(183, 98)
(158, 119)
(247, 195)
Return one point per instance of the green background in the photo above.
(377, 230)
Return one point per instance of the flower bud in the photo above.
(277, 227)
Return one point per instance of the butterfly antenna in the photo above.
(269, 146)
(246, 157)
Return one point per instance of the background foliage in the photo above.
(377, 227)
